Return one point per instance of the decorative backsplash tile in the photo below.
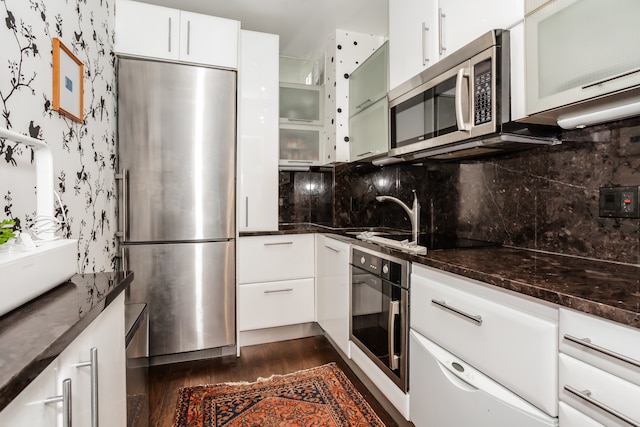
(83, 153)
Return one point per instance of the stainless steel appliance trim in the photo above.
(586, 342)
(394, 310)
(122, 177)
(93, 364)
(65, 398)
(586, 396)
(443, 304)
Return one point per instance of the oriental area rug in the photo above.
(321, 396)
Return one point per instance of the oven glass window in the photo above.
(371, 300)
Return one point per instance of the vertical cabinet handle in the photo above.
(246, 210)
(124, 204)
(425, 56)
(65, 398)
(124, 261)
(188, 37)
(394, 311)
(93, 364)
(169, 34)
(441, 16)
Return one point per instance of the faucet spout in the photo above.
(413, 212)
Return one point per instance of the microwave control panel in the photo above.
(482, 95)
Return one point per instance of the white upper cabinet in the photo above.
(147, 30)
(159, 32)
(258, 137)
(423, 32)
(208, 39)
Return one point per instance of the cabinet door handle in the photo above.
(188, 37)
(124, 204)
(441, 16)
(332, 249)
(275, 291)
(278, 243)
(65, 398)
(300, 120)
(364, 154)
(169, 34)
(306, 162)
(443, 304)
(364, 103)
(608, 79)
(586, 342)
(462, 74)
(93, 364)
(586, 396)
(246, 210)
(124, 261)
(394, 310)
(425, 57)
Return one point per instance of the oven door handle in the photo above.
(394, 311)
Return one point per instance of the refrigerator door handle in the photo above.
(124, 207)
(124, 261)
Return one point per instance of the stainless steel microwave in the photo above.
(460, 106)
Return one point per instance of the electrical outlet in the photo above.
(620, 202)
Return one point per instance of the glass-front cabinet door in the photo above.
(301, 104)
(369, 131)
(300, 145)
(579, 49)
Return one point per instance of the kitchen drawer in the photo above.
(266, 305)
(516, 348)
(571, 417)
(601, 343)
(272, 258)
(608, 393)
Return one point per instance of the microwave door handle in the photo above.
(462, 125)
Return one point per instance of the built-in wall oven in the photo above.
(379, 313)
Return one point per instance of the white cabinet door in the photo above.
(462, 21)
(28, 409)
(208, 40)
(147, 30)
(413, 38)
(106, 335)
(332, 290)
(258, 135)
(276, 258)
(272, 304)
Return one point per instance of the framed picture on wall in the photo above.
(68, 84)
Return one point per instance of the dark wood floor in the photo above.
(256, 361)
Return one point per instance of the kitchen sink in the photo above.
(28, 273)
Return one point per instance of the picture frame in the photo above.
(68, 82)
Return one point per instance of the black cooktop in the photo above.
(441, 241)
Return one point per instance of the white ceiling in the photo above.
(303, 25)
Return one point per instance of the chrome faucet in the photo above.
(414, 213)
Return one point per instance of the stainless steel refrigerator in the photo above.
(176, 155)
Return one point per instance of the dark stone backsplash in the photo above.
(545, 199)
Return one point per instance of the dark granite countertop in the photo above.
(604, 289)
(34, 334)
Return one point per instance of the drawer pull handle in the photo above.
(332, 249)
(443, 304)
(586, 342)
(586, 396)
(278, 244)
(65, 398)
(275, 291)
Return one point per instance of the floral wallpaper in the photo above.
(84, 154)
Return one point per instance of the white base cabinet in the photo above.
(106, 335)
(276, 281)
(332, 290)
